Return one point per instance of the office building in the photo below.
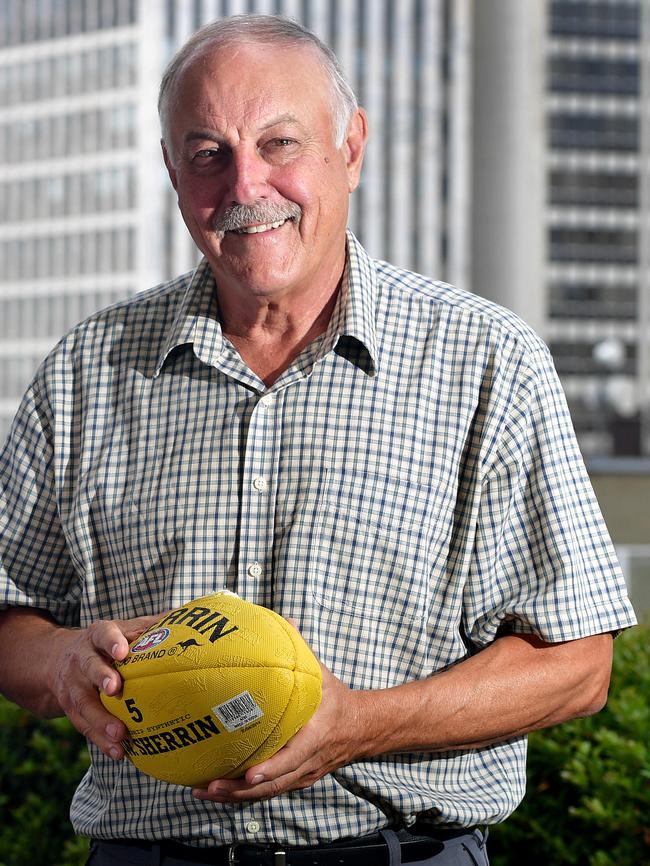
(560, 191)
(87, 215)
(74, 175)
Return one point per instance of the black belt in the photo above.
(367, 850)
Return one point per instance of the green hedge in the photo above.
(588, 798)
(41, 764)
(588, 802)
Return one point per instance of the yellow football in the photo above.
(215, 686)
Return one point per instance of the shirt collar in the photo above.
(197, 321)
(358, 301)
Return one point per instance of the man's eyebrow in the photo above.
(282, 118)
(202, 135)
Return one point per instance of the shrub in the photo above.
(41, 763)
(588, 800)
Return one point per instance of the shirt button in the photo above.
(255, 569)
(260, 484)
(266, 401)
(253, 827)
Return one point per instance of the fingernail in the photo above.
(257, 779)
(106, 683)
(114, 752)
(112, 731)
(114, 649)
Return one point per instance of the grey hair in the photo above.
(274, 29)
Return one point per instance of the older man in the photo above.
(386, 459)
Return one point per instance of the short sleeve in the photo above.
(35, 569)
(543, 562)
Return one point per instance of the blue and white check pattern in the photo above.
(422, 489)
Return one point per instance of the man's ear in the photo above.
(170, 166)
(355, 145)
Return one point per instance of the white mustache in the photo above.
(239, 216)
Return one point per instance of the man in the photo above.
(385, 459)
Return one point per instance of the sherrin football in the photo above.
(215, 686)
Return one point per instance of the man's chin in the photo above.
(256, 279)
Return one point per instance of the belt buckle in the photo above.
(279, 855)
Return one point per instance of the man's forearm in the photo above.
(26, 638)
(516, 685)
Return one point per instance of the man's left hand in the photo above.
(326, 742)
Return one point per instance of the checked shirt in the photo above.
(409, 488)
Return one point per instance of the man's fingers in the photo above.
(133, 628)
(112, 637)
(82, 665)
(285, 762)
(238, 790)
(87, 714)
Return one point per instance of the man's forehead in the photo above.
(234, 59)
(222, 89)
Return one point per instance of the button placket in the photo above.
(257, 512)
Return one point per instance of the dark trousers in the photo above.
(392, 849)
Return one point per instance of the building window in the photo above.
(41, 317)
(593, 188)
(21, 22)
(615, 19)
(613, 246)
(39, 257)
(579, 358)
(589, 301)
(583, 131)
(593, 75)
(106, 68)
(111, 128)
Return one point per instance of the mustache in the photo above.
(239, 216)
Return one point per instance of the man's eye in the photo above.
(281, 143)
(206, 153)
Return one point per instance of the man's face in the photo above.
(251, 124)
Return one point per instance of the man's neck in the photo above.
(269, 335)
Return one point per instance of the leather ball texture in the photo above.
(214, 687)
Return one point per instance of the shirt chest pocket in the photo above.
(371, 548)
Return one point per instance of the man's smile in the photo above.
(266, 227)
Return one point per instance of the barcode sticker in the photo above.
(238, 712)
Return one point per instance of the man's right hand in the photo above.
(52, 670)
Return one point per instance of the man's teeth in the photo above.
(252, 230)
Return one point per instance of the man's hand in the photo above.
(81, 664)
(64, 668)
(328, 741)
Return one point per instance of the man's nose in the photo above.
(249, 180)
